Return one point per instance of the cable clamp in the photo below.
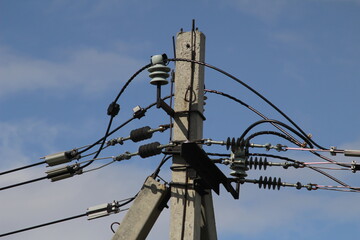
(354, 166)
(64, 172)
(186, 113)
(124, 156)
(333, 151)
(102, 210)
(139, 112)
(61, 157)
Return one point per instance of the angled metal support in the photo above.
(211, 175)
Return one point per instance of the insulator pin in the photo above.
(149, 150)
(140, 134)
(158, 71)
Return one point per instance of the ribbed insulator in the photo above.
(269, 182)
(159, 74)
(257, 163)
(234, 143)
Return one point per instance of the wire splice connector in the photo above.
(63, 172)
(102, 210)
(61, 157)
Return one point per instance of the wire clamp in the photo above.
(139, 112)
(354, 166)
(333, 151)
(102, 210)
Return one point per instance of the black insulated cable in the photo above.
(252, 90)
(113, 110)
(252, 109)
(22, 183)
(278, 123)
(43, 225)
(137, 115)
(125, 202)
(21, 168)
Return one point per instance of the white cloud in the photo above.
(90, 70)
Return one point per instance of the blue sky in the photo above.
(62, 62)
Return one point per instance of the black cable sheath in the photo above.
(112, 117)
(278, 123)
(59, 221)
(271, 133)
(43, 225)
(130, 80)
(157, 170)
(252, 90)
(252, 109)
(21, 168)
(23, 183)
(264, 117)
(102, 143)
(116, 129)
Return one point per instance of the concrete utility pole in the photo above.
(143, 213)
(192, 214)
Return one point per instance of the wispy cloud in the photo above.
(89, 69)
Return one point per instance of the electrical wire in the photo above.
(311, 167)
(127, 201)
(103, 139)
(338, 188)
(118, 128)
(252, 109)
(97, 168)
(46, 177)
(102, 142)
(265, 118)
(157, 170)
(42, 162)
(278, 123)
(21, 168)
(269, 133)
(112, 117)
(22, 183)
(251, 89)
(43, 225)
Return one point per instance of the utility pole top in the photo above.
(192, 214)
